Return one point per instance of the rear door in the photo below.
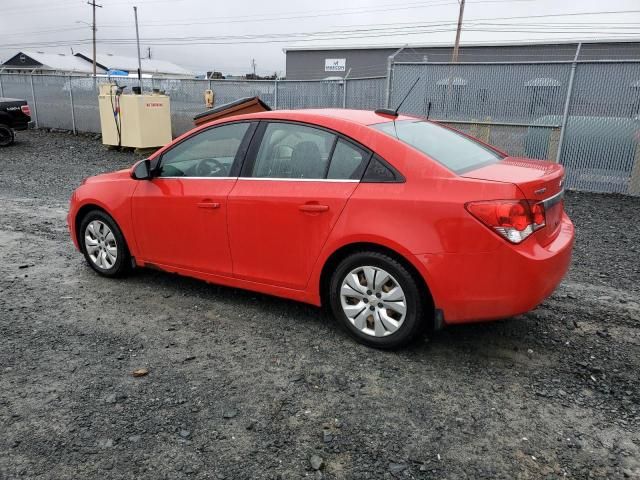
(180, 215)
(295, 183)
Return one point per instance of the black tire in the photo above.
(122, 264)
(7, 135)
(415, 300)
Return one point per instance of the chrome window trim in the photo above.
(551, 201)
(330, 180)
(199, 178)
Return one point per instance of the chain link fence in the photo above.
(71, 103)
(586, 115)
(365, 93)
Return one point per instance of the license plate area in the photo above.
(553, 207)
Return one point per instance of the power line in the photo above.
(169, 42)
(575, 25)
(344, 36)
(221, 19)
(407, 28)
(294, 16)
(350, 29)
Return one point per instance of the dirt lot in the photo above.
(245, 386)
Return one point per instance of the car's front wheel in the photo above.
(103, 244)
(377, 300)
(7, 137)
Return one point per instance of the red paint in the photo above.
(278, 228)
(275, 236)
(177, 223)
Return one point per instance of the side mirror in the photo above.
(141, 170)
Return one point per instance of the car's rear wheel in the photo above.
(103, 245)
(7, 136)
(377, 300)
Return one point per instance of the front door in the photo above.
(285, 205)
(180, 216)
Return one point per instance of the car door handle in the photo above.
(313, 208)
(208, 205)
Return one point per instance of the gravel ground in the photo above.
(245, 386)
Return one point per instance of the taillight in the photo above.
(26, 110)
(537, 215)
(514, 220)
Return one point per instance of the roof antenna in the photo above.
(394, 113)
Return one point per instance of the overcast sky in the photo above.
(225, 36)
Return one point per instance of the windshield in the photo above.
(451, 149)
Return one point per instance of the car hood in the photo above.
(109, 177)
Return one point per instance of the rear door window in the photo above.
(347, 162)
(290, 150)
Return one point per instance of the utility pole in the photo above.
(135, 14)
(93, 27)
(149, 53)
(454, 56)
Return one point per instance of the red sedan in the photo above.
(397, 223)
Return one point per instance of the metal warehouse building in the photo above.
(312, 64)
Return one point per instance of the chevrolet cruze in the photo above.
(398, 224)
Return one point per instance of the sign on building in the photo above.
(335, 64)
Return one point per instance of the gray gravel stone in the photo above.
(230, 413)
(316, 462)
(396, 468)
(288, 368)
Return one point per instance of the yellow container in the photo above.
(144, 121)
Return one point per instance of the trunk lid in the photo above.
(537, 180)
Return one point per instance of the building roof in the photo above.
(118, 62)
(462, 45)
(48, 61)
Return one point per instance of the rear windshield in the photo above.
(451, 149)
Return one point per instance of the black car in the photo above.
(14, 115)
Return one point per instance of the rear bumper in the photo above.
(506, 282)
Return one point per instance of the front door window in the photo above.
(210, 153)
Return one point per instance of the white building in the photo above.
(27, 61)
